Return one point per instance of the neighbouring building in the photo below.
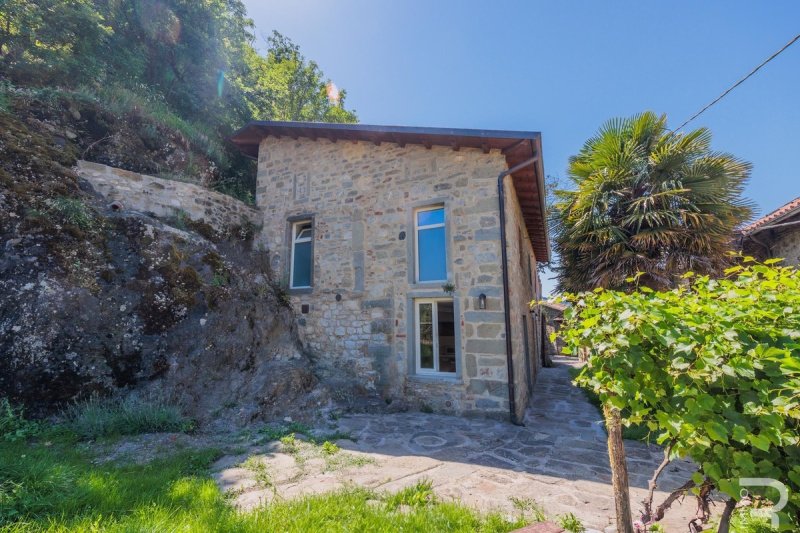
(775, 235)
(410, 254)
(553, 317)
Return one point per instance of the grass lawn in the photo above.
(53, 486)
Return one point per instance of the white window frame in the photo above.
(417, 229)
(299, 240)
(435, 319)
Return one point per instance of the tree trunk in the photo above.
(619, 469)
(725, 519)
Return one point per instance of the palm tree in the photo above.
(649, 201)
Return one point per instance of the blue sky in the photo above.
(563, 68)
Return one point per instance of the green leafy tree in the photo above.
(646, 200)
(712, 368)
(183, 66)
(51, 41)
(289, 87)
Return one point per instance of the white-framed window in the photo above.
(430, 244)
(435, 338)
(302, 261)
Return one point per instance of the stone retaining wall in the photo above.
(167, 197)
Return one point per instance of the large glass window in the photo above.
(436, 336)
(301, 260)
(430, 244)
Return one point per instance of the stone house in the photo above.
(776, 234)
(410, 255)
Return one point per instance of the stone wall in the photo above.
(359, 314)
(787, 246)
(167, 197)
(523, 280)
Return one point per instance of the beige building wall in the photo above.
(359, 315)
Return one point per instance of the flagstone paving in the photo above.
(558, 459)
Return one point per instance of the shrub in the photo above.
(712, 368)
(13, 425)
(105, 417)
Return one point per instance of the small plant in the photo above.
(105, 417)
(448, 288)
(181, 219)
(260, 471)
(289, 443)
(220, 280)
(329, 448)
(529, 509)
(72, 211)
(13, 425)
(417, 495)
(571, 523)
(278, 432)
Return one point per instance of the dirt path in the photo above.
(558, 459)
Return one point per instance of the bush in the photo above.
(712, 368)
(105, 417)
(13, 425)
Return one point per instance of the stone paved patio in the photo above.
(558, 459)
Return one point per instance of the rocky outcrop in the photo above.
(96, 299)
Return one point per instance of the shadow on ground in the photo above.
(558, 459)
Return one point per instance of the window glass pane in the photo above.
(426, 346)
(426, 336)
(301, 267)
(434, 216)
(432, 254)
(304, 233)
(447, 337)
(425, 313)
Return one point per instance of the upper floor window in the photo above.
(430, 244)
(301, 258)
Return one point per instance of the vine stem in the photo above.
(647, 516)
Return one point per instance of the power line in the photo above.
(735, 85)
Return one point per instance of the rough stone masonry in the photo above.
(359, 315)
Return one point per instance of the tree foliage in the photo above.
(712, 368)
(196, 57)
(646, 200)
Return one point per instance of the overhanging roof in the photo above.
(516, 146)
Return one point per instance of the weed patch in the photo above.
(13, 425)
(418, 495)
(106, 417)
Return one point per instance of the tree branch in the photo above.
(677, 493)
(652, 484)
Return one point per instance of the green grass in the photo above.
(633, 432)
(56, 487)
(109, 417)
